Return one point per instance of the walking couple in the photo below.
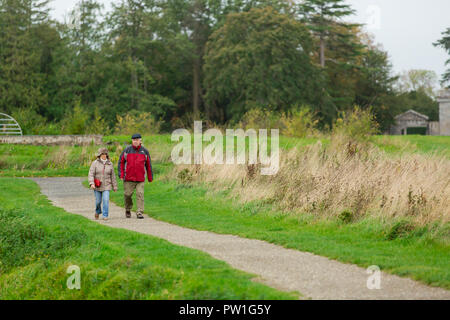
(133, 163)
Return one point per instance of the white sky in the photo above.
(405, 28)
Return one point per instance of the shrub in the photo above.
(184, 176)
(76, 120)
(258, 118)
(50, 128)
(135, 121)
(400, 229)
(300, 122)
(186, 121)
(346, 216)
(32, 123)
(358, 124)
(98, 124)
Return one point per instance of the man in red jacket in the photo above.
(133, 163)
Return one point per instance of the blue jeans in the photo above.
(99, 196)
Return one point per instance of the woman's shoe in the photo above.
(96, 216)
(105, 218)
(139, 215)
(127, 214)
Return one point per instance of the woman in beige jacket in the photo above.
(103, 170)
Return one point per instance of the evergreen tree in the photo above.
(337, 51)
(445, 44)
(198, 19)
(134, 42)
(22, 65)
(323, 18)
(258, 59)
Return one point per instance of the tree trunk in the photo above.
(134, 85)
(196, 88)
(322, 52)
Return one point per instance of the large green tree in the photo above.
(23, 59)
(323, 17)
(133, 51)
(375, 81)
(198, 19)
(176, 57)
(258, 58)
(418, 80)
(418, 101)
(337, 50)
(76, 60)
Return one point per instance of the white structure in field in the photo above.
(9, 125)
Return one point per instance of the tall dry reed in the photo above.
(346, 175)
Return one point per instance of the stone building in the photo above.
(444, 112)
(413, 122)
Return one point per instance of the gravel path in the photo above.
(313, 276)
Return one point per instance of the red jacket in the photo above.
(133, 162)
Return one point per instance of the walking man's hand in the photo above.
(92, 186)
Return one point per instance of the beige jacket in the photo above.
(107, 177)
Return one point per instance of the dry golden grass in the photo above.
(59, 158)
(350, 176)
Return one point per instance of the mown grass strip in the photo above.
(420, 254)
(38, 242)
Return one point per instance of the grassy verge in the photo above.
(422, 254)
(38, 242)
(400, 145)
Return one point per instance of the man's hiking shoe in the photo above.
(105, 218)
(128, 214)
(139, 215)
(96, 216)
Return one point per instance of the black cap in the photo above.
(136, 136)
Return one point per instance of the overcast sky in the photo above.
(405, 28)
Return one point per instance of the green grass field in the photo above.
(39, 242)
(420, 253)
(399, 145)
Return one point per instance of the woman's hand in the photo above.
(115, 189)
(92, 186)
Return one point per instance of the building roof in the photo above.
(410, 111)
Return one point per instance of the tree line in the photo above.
(170, 61)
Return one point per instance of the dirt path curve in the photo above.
(313, 276)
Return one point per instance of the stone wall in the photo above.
(53, 140)
(444, 112)
(433, 128)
